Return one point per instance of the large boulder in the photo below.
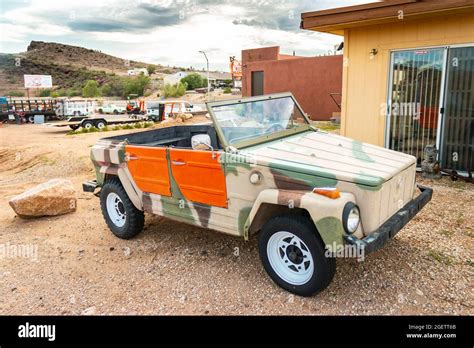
(55, 197)
(184, 116)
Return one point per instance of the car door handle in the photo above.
(130, 157)
(178, 163)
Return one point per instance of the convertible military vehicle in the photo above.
(261, 167)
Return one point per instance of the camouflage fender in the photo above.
(109, 159)
(325, 212)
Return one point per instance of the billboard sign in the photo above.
(235, 68)
(38, 81)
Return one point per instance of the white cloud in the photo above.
(139, 29)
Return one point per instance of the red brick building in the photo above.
(310, 79)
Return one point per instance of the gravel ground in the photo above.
(173, 268)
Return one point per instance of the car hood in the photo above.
(331, 156)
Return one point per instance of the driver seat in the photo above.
(201, 142)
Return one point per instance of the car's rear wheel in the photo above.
(116, 112)
(122, 217)
(293, 255)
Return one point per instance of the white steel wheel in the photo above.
(116, 209)
(88, 125)
(290, 258)
(100, 124)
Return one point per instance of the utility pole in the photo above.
(208, 84)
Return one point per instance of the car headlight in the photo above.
(350, 217)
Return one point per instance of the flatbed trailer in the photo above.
(77, 122)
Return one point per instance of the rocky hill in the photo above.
(70, 66)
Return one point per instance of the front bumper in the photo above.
(393, 225)
(89, 186)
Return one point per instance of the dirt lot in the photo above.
(172, 268)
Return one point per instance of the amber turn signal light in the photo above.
(330, 192)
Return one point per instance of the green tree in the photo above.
(114, 87)
(136, 85)
(151, 69)
(194, 81)
(106, 90)
(174, 91)
(91, 89)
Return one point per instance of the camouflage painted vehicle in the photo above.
(261, 167)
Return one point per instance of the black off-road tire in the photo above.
(324, 267)
(134, 219)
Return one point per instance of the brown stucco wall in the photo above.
(310, 79)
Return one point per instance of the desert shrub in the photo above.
(176, 90)
(16, 94)
(227, 90)
(62, 92)
(74, 93)
(45, 93)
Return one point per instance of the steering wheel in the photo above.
(276, 127)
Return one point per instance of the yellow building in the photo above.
(408, 78)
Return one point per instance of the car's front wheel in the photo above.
(123, 218)
(294, 257)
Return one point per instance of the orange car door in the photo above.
(199, 176)
(149, 168)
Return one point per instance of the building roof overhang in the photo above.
(336, 20)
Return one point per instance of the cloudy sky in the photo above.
(169, 32)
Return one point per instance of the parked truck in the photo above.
(26, 109)
(67, 107)
(261, 168)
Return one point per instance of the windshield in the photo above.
(255, 121)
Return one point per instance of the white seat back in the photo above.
(201, 142)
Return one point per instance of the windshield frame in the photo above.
(262, 138)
